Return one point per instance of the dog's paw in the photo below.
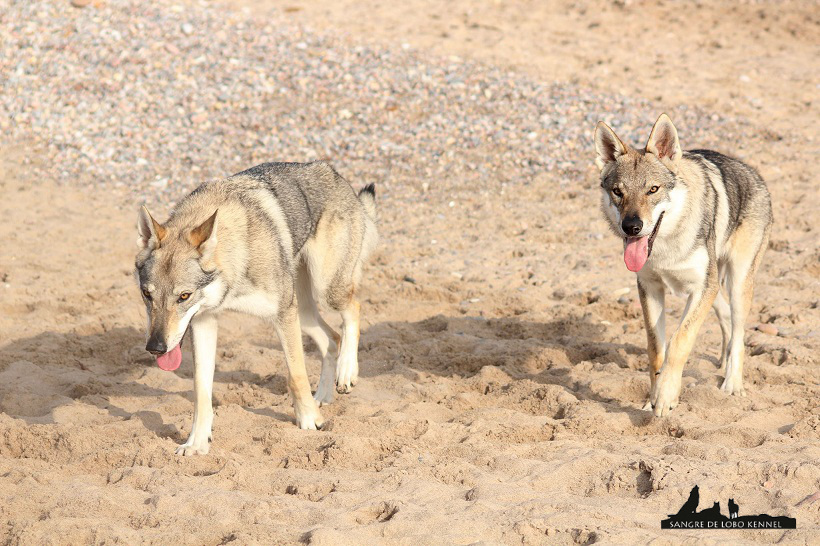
(308, 416)
(648, 405)
(347, 373)
(733, 385)
(664, 406)
(666, 394)
(194, 447)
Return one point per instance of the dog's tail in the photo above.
(367, 196)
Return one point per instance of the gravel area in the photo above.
(157, 98)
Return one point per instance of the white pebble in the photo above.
(621, 292)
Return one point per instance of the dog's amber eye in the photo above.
(184, 296)
(653, 189)
(146, 294)
(618, 192)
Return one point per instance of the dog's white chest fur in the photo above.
(257, 303)
(687, 275)
(253, 302)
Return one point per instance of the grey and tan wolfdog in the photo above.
(275, 241)
(692, 223)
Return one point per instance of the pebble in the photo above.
(769, 329)
(230, 90)
(80, 3)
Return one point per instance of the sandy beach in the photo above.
(502, 354)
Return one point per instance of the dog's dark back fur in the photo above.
(303, 191)
(746, 192)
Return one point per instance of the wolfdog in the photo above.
(693, 223)
(273, 241)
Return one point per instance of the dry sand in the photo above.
(501, 383)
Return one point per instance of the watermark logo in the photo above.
(688, 517)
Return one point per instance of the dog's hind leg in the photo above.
(341, 296)
(290, 335)
(203, 330)
(652, 301)
(347, 369)
(742, 268)
(325, 337)
(724, 315)
(334, 259)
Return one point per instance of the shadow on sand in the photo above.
(96, 367)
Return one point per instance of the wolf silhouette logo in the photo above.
(688, 517)
(733, 507)
(691, 505)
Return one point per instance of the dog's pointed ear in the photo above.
(608, 147)
(663, 140)
(151, 232)
(203, 237)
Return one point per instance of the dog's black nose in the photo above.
(156, 346)
(632, 225)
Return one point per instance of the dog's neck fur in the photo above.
(678, 236)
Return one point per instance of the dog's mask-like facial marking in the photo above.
(636, 185)
(173, 267)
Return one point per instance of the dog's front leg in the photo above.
(203, 330)
(667, 390)
(652, 295)
(290, 335)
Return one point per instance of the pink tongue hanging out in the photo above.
(636, 253)
(170, 360)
